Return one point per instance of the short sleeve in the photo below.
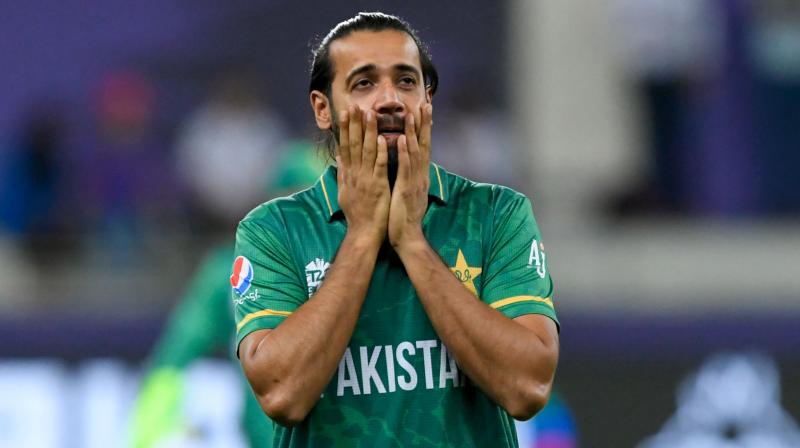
(516, 276)
(265, 286)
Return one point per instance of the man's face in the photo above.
(379, 71)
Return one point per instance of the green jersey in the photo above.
(397, 384)
(201, 325)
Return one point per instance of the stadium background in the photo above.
(659, 142)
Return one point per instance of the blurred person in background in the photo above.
(732, 400)
(126, 184)
(196, 330)
(349, 273)
(226, 150)
(774, 41)
(668, 50)
(719, 83)
(32, 186)
(553, 427)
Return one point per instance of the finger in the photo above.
(370, 140)
(344, 139)
(381, 159)
(411, 141)
(425, 133)
(340, 179)
(403, 162)
(356, 136)
(341, 172)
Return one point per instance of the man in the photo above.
(196, 330)
(434, 324)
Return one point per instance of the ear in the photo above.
(428, 94)
(322, 109)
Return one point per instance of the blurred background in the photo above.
(659, 142)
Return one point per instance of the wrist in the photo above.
(363, 239)
(412, 241)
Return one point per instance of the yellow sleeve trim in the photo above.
(439, 178)
(325, 192)
(516, 299)
(261, 313)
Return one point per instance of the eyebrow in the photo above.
(366, 68)
(358, 71)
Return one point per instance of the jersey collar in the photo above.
(329, 192)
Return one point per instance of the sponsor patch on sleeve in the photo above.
(242, 276)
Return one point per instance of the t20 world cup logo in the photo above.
(315, 273)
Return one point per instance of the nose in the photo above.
(388, 100)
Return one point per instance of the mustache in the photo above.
(391, 122)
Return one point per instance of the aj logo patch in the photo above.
(538, 258)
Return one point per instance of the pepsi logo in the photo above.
(242, 275)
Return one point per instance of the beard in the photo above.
(391, 168)
(385, 121)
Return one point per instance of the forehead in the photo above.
(384, 49)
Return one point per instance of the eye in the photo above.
(408, 81)
(362, 84)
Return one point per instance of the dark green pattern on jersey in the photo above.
(289, 240)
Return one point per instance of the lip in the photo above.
(391, 124)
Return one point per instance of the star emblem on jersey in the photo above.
(465, 273)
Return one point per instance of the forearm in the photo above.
(510, 362)
(291, 365)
